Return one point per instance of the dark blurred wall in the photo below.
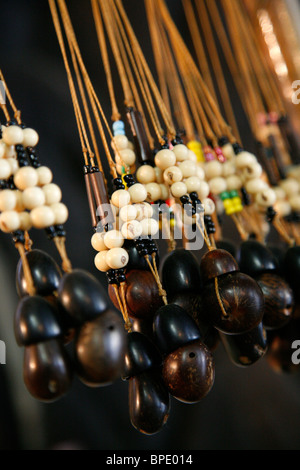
(247, 409)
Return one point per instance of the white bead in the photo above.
(100, 261)
(117, 258)
(283, 208)
(188, 168)
(52, 193)
(290, 186)
(172, 175)
(217, 185)
(128, 213)
(188, 220)
(5, 169)
(228, 169)
(295, 203)
(10, 151)
(97, 241)
(178, 189)
(228, 151)
(159, 175)
(165, 158)
(127, 156)
(120, 198)
(14, 165)
(25, 221)
(209, 206)
(120, 169)
(181, 151)
(8, 200)
(234, 182)
(137, 193)
(42, 217)
(165, 193)
(192, 156)
(200, 173)
(33, 197)
(61, 213)
(132, 230)
(266, 198)
(30, 137)
(119, 142)
(280, 193)
(146, 174)
(244, 158)
(19, 198)
(213, 169)
(149, 227)
(2, 149)
(130, 145)
(12, 135)
(9, 221)
(44, 175)
(153, 192)
(203, 191)
(113, 239)
(144, 211)
(253, 170)
(255, 186)
(26, 177)
(193, 184)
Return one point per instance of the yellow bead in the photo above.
(236, 201)
(172, 223)
(230, 210)
(227, 203)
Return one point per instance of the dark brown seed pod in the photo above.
(215, 263)
(100, 347)
(234, 305)
(149, 402)
(47, 370)
(189, 372)
(141, 293)
(246, 349)
(279, 300)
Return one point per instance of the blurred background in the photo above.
(247, 409)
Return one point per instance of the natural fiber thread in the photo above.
(225, 314)
(26, 268)
(61, 248)
(128, 324)
(161, 291)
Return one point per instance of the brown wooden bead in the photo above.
(242, 300)
(47, 370)
(215, 263)
(142, 295)
(189, 372)
(279, 300)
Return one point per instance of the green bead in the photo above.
(233, 194)
(225, 195)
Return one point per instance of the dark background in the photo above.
(253, 408)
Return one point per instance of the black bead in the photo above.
(185, 199)
(118, 183)
(223, 141)
(270, 214)
(45, 274)
(237, 148)
(82, 295)
(141, 355)
(35, 321)
(111, 276)
(173, 327)
(180, 273)
(255, 258)
(245, 197)
(194, 197)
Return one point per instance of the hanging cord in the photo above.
(141, 79)
(138, 52)
(116, 116)
(17, 113)
(131, 95)
(120, 296)
(216, 63)
(96, 106)
(198, 46)
(181, 110)
(155, 274)
(26, 269)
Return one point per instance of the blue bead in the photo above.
(118, 125)
(119, 132)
